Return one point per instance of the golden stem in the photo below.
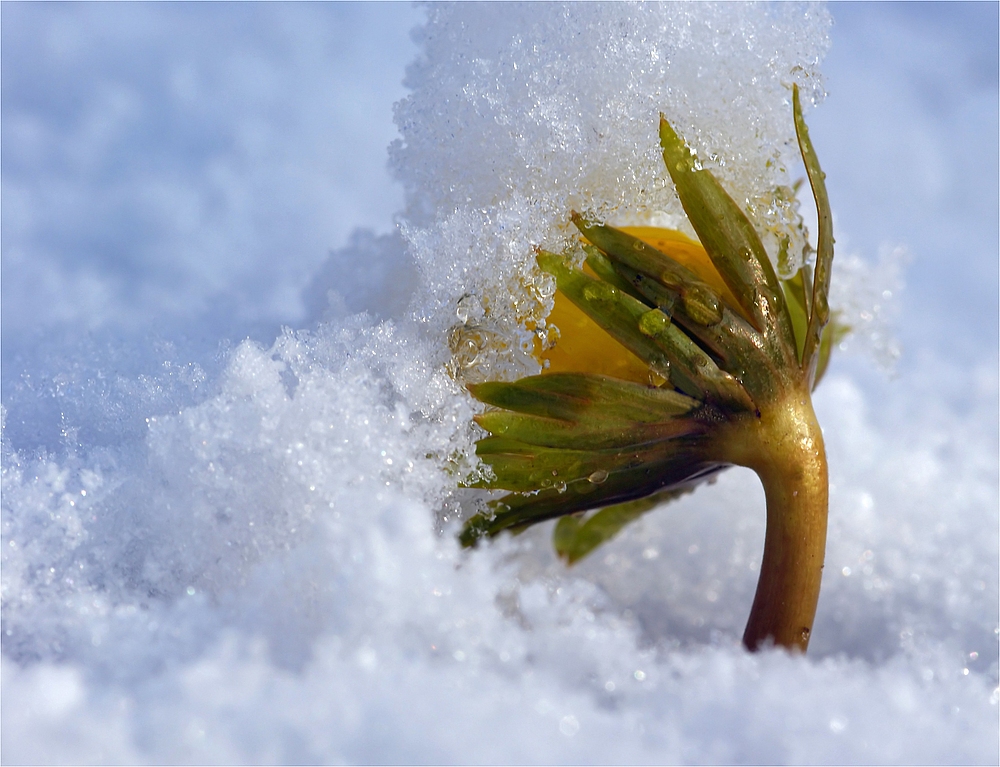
(784, 446)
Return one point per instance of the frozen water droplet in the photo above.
(468, 309)
(545, 286)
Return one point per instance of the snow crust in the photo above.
(251, 557)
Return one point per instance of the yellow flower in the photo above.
(675, 359)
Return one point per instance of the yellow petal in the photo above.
(584, 347)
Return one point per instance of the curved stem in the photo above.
(784, 446)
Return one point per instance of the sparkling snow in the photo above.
(232, 427)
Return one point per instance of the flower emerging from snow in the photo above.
(675, 359)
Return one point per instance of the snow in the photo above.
(231, 437)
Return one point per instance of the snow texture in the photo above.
(224, 541)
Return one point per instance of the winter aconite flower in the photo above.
(675, 359)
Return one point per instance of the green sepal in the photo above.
(797, 306)
(522, 467)
(692, 370)
(730, 241)
(700, 302)
(819, 314)
(575, 537)
(517, 511)
(584, 396)
(733, 342)
(605, 269)
(647, 333)
(587, 434)
(833, 334)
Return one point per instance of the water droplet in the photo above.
(701, 306)
(659, 372)
(654, 323)
(598, 477)
(599, 292)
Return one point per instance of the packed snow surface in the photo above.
(225, 542)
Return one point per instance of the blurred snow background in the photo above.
(218, 551)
